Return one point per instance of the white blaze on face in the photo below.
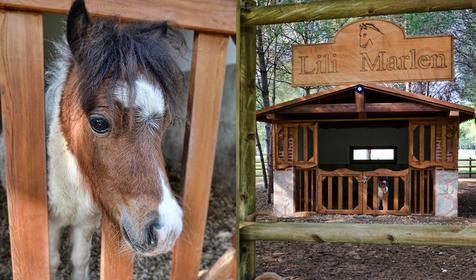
(170, 217)
(149, 99)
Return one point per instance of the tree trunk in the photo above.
(261, 157)
(263, 70)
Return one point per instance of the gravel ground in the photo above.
(303, 260)
(220, 223)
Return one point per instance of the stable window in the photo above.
(371, 154)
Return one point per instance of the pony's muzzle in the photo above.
(155, 235)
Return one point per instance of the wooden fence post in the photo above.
(470, 166)
(205, 93)
(245, 146)
(115, 263)
(23, 115)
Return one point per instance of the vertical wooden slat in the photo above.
(246, 144)
(286, 142)
(427, 191)
(406, 194)
(340, 192)
(411, 129)
(385, 201)
(432, 143)
(351, 193)
(274, 144)
(313, 189)
(206, 86)
(316, 146)
(395, 193)
(305, 143)
(421, 135)
(456, 144)
(115, 263)
(414, 187)
(306, 189)
(319, 192)
(443, 142)
(295, 143)
(329, 192)
(375, 193)
(363, 195)
(22, 98)
(422, 191)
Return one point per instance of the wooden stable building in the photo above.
(365, 149)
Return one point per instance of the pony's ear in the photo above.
(77, 24)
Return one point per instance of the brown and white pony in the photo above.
(108, 104)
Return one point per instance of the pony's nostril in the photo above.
(150, 233)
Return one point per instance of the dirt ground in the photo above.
(303, 260)
(220, 223)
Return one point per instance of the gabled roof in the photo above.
(380, 102)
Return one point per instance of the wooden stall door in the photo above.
(345, 191)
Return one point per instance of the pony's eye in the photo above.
(99, 124)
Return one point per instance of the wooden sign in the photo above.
(373, 51)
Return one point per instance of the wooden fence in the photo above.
(467, 167)
(250, 231)
(22, 93)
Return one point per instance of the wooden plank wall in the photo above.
(206, 88)
(22, 98)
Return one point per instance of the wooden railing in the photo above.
(467, 169)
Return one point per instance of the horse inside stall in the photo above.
(109, 101)
(382, 190)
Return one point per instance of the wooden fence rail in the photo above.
(467, 169)
(450, 235)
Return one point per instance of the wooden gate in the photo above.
(346, 191)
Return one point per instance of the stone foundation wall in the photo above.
(446, 193)
(283, 202)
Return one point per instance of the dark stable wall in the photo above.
(335, 143)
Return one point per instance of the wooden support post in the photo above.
(329, 192)
(470, 166)
(23, 115)
(360, 104)
(205, 90)
(115, 262)
(245, 141)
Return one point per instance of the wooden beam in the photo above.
(451, 235)
(116, 263)
(332, 9)
(360, 104)
(206, 87)
(23, 115)
(245, 146)
(397, 107)
(216, 16)
(453, 114)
